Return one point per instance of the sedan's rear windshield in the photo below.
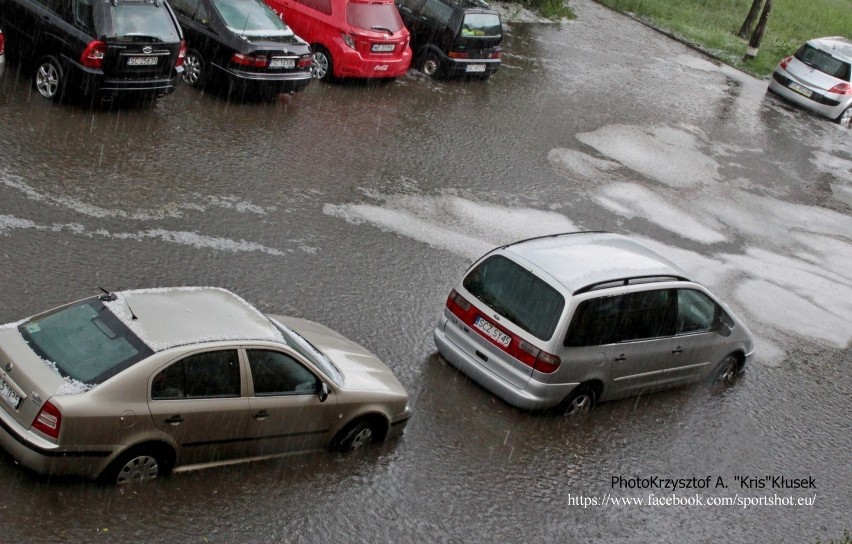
(85, 341)
(823, 62)
(251, 18)
(516, 294)
(378, 17)
(481, 25)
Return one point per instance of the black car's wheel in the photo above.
(845, 118)
(136, 465)
(194, 69)
(322, 66)
(726, 372)
(430, 65)
(355, 437)
(49, 79)
(580, 402)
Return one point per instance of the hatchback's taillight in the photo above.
(93, 55)
(348, 40)
(181, 53)
(784, 62)
(249, 60)
(48, 420)
(305, 61)
(841, 88)
(2, 43)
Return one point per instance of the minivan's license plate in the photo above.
(142, 61)
(492, 332)
(9, 395)
(801, 90)
(282, 63)
(474, 68)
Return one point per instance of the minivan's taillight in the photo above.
(48, 420)
(784, 62)
(251, 61)
(539, 360)
(181, 53)
(93, 55)
(305, 61)
(458, 55)
(841, 88)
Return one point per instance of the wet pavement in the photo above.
(359, 206)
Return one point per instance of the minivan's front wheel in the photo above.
(845, 119)
(322, 67)
(430, 65)
(49, 79)
(726, 373)
(580, 402)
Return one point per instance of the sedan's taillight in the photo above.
(249, 60)
(48, 420)
(841, 88)
(181, 53)
(93, 55)
(457, 55)
(305, 61)
(784, 62)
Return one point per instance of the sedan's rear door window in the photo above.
(202, 375)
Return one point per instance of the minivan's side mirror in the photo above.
(323, 392)
(723, 325)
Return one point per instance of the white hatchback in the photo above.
(818, 77)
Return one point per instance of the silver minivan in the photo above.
(567, 320)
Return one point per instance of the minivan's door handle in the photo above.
(175, 420)
(263, 414)
(677, 350)
(621, 358)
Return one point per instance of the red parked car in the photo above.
(350, 38)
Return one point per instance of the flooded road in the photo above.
(360, 206)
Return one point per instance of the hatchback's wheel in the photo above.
(430, 65)
(579, 402)
(49, 79)
(322, 66)
(726, 373)
(136, 465)
(845, 118)
(355, 437)
(194, 72)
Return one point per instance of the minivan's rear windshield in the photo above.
(823, 62)
(516, 294)
(251, 18)
(86, 341)
(143, 19)
(378, 17)
(481, 25)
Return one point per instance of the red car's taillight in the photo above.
(784, 62)
(518, 348)
(48, 420)
(181, 53)
(93, 55)
(249, 60)
(2, 43)
(841, 88)
(305, 61)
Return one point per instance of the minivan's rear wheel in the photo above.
(322, 67)
(580, 402)
(430, 65)
(136, 465)
(845, 118)
(194, 71)
(49, 79)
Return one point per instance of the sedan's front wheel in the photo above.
(137, 465)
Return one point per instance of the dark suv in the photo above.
(453, 37)
(95, 47)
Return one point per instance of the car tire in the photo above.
(137, 464)
(355, 437)
(194, 69)
(430, 65)
(322, 66)
(845, 118)
(579, 402)
(726, 373)
(49, 79)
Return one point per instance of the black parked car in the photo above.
(244, 44)
(95, 47)
(453, 37)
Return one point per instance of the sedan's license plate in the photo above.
(492, 332)
(9, 395)
(282, 63)
(801, 90)
(474, 68)
(142, 61)
(382, 47)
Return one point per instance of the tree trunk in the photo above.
(745, 30)
(757, 35)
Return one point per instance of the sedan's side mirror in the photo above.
(323, 392)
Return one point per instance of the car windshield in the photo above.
(516, 294)
(481, 25)
(309, 351)
(251, 18)
(378, 17)
(823, 62)
(85, 341)
(142, 19)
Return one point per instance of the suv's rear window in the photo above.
(823, 62)
(377, 17)
(481, 25)
(142, 19)
(516, 294)
(86, 341)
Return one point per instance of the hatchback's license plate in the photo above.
(474, 68)
(492, 332)
(282, 63)
(382, 47)
(142, 61)
(9, 395)
(801, 90)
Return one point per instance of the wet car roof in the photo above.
(174, 316)
(838, 46)
(578, 260)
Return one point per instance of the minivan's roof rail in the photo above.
(632, 280)
(554, 236)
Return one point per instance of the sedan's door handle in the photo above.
(175, 420)
(677, 350)
(263, 414)
(621, 358)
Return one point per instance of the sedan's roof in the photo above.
(173, 316)
(582, 259)
(838, 46)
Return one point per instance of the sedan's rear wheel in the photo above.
(845, 119)
(137, 465)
